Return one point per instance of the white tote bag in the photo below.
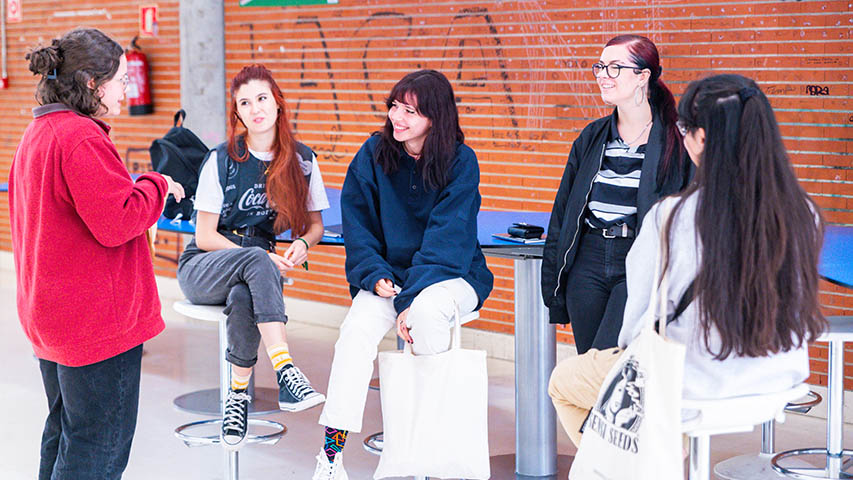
(435, 413)
(634, 430)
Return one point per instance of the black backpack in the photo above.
(179, 154)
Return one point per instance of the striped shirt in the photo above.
(613, 199)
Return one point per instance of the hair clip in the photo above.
(52, 74)
(746, 93)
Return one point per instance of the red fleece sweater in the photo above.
(85, 280)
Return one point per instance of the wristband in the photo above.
(305, 242)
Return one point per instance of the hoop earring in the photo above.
(639, 95)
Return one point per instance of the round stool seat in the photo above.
(206, 402)
(272, 432)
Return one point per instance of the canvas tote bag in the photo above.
(634, 429)
(435, 413)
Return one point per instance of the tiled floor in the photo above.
(184, 358)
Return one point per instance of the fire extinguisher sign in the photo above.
(13, 11)
(148, 20)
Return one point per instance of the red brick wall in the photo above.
(521, 72)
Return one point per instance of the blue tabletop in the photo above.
(836, 258)
(488, 222)
(4, 187)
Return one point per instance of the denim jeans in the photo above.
(247, 282)
(91, 419)
(596, 290)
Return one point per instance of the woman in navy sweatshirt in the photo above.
(409, 202)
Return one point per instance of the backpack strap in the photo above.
(180, 115)
(684, 302)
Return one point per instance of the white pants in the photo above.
(369, 319)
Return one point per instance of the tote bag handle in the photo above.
(660, 290)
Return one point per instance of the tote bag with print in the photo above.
(633, 431)
(434, 413)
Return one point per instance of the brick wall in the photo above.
(521, 71)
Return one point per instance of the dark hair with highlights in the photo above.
(644, 54)
(70, 63)
(431, 93)
(760, 232)
(286, 186)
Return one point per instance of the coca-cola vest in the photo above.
(244, 185)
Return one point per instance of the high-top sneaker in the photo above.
(235, 423)
(326, 470)
(294, 390)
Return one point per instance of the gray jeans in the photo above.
(247, 282)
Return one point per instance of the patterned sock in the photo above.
(279, 356)
(239, 382)
(334, 443)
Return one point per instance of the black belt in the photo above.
(253, 232)
(250, 237)
(614, 231)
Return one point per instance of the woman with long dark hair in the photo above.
(86, 294)
(409, 202)
(746, 236)
(252, 187)
(618, 167)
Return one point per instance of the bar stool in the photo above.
(757, 466)
(373, 443)
(207, 401)
(703, 418)
(272, 431)
(840, 330)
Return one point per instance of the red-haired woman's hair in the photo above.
(287, 189)
(645, 54)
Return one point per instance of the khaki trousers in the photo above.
(574, 386)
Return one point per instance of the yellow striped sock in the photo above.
(279, 356)
(239, 382)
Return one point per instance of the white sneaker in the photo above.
(330, 471)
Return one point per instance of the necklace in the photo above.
(641, 133)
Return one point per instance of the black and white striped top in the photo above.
(613, 199)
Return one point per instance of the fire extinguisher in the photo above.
(138, 83)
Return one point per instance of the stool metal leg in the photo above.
(834, 452)
(700, 453)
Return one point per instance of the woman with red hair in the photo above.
(252, 187)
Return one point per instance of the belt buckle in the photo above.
(605, 234)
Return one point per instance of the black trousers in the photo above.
(596, 290)
(91, 418)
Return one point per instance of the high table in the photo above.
(535, 354)
(836, 266)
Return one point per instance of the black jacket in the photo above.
(570, 203)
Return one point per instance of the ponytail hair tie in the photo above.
(52, 74)
(746, 93)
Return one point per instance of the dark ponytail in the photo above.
(673, 164)
(70, 63)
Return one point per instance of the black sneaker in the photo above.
(294, 390)
(235, 423)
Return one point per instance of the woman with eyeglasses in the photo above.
(86, 294)
(740, 251)
(618, 167)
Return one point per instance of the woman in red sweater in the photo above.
(85, 284)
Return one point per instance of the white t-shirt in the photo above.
(209, 195)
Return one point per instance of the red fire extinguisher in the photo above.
(138, 85)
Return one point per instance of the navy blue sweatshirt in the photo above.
(396, 228)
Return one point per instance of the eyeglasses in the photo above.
(612, 69)
(682, 127)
